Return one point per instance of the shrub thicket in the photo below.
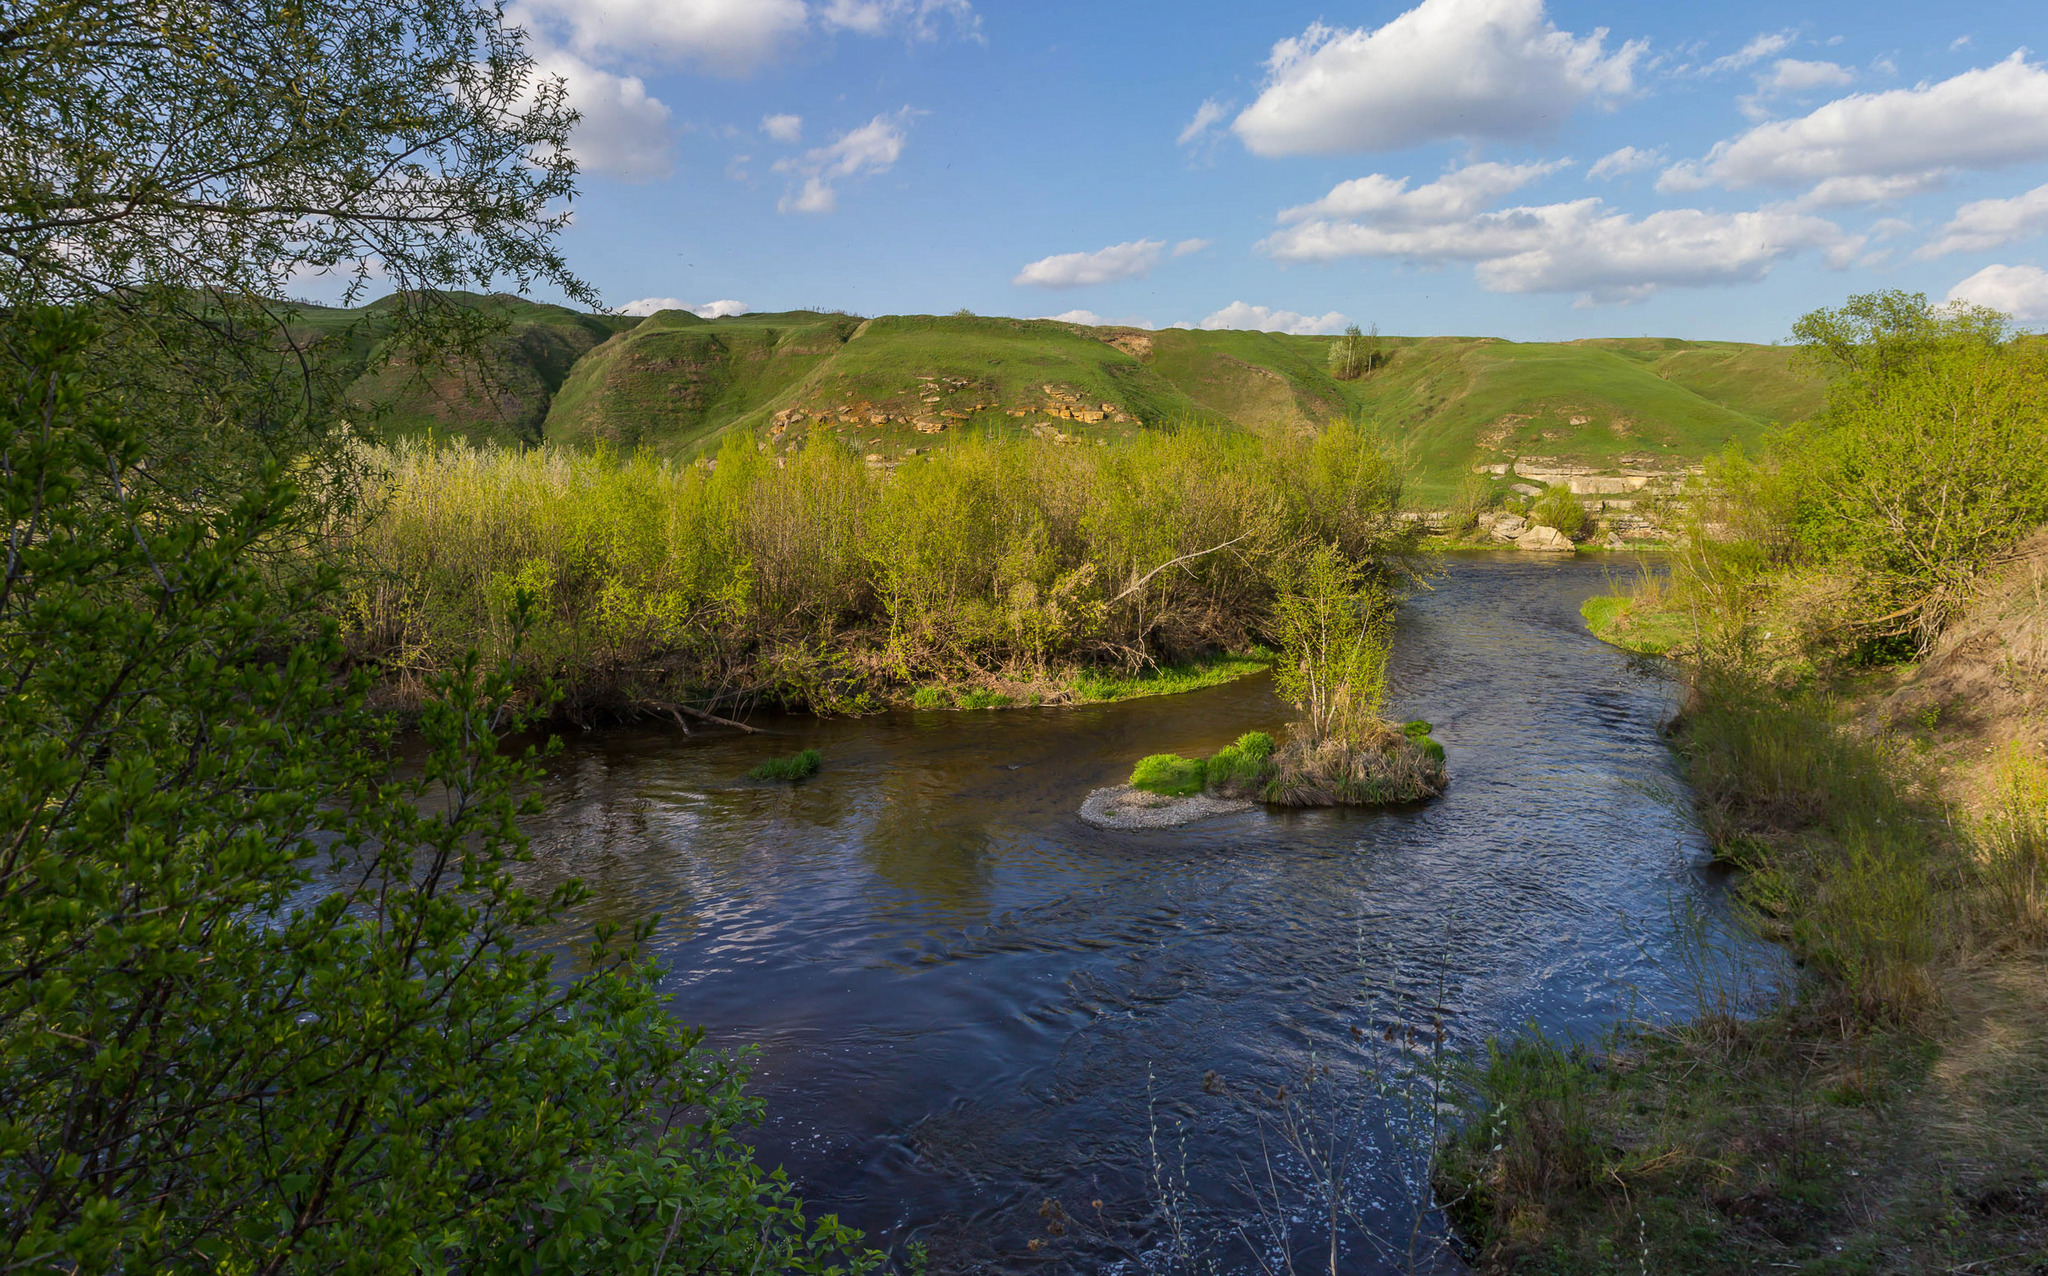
(266, 1003)
(815, 579)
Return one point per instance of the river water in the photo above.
(1032, 1045)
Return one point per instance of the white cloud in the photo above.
(1960, 42)
(655, 305)
(2020, 291)
(1133, 260)
(1582, 247)
(1387, 201)
(1265, 319)
(624, 131)
(919, 19)
(1759, 48)
(783, 128)
(1629, 159)
(1790, 75)
(1087, 318)
(1848, 192)
(1207, 116)
(1992, 223)
(1444, 69)
(1186, 246)
(1986, 118)
(728, 37)
(872, 148)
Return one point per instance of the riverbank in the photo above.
(1885, 1112)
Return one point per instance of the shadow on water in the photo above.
(977, 1017)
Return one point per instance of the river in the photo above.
(1032, 1045)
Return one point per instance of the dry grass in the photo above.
(1383, 768)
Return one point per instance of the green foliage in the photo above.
(819, 581)
(1418, 732)
(1244, 767)
(412, 140)
(1558, 508)
(1335, 631)
(797, 766)
(1169, 774)
(268, 1003)
(1860, 537)
(931, 698)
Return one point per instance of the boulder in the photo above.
(1545, 540)
(1508, 526)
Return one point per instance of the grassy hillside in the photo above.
(503, 398)
(676, 384)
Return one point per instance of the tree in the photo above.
(1930, 456)
(1355, 353)
(266, 1004)
(1334, 627)
(180, 166)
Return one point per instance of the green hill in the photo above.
(503, 397)
(678, 385)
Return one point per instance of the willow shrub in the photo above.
(815, 578)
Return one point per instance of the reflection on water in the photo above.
(969, 1004)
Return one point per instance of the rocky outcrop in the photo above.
(1545, 540)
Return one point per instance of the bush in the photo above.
(797, 766)
(1243, 768)
(1169, 775)
(1382, 769)
(1558, 508)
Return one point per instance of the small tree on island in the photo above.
(1335, 631)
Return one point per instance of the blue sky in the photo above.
(1500, 167)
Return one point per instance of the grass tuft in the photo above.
(1243, 768)
(797, 766)
(1169, 775)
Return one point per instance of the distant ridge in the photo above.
(677, 384)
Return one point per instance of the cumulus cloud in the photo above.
(1133, 260)
(1992, 223)
(1387, 201)
(2020, 291)
(1186, 246)
(1581, 247)
(1493, 69)
(624, 131)
(1629, 159)
(1986, 118)
(872, 148)
(1087, 318)
(1207, 116)
(783, 128)
(1265, 319)
(710, 310)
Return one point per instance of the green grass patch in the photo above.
(797, 766)
(1243, 767)
(1418, 731)
(931, 698)
(1094, 687)
(1170, 775)
(985, 700)
(1633, 625)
